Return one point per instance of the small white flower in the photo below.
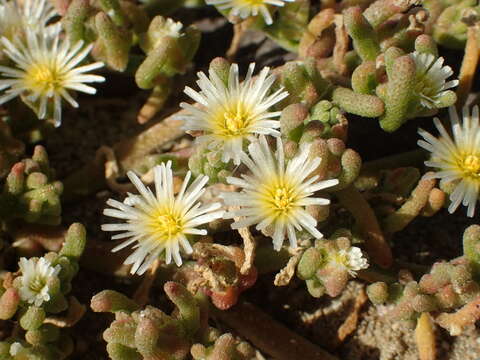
(276, 193)
(247, 8)
(36, 273)
(160, 222)
(431, 78)
(171, 28)
(228, 115)
(352, 259)
(457, 159)
(46, 68)
(17, 349)
(17, 16)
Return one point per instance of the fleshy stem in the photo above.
(469, 66)
(239, 30)
(411, 208)
(282, 343)
(375, 241)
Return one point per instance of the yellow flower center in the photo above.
(280, 199)
(233, 121)
(341, 258)
(471, 165)
(167, 225)
(251, 2)
(43, 78)
(37, 284)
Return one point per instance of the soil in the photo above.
(111, 116)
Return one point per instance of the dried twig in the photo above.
(238, 32)
(249, 246)
(351, 322)
(281, 343)
(285, 275)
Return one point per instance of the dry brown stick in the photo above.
(375, 241)
(249, 246)
(469, 66)
(285, 275)
(425, 337)
(268, 335)
(238, 32)
(351, 322)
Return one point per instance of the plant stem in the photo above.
(469, 66)
(375, 242)
(411, 208)
(270, 336)
(409, 158)
(238, 32)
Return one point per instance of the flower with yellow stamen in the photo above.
(277, 192)
(431, 79)
(160, 223)
(17, 17)
(230, 114)
(35, 282)
(46, 68)
(247, 8)
(457, 159)
(352, 260)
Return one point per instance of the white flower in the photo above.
(230, 114)
(171, 28)
(16, 349)
(17, 16)
(352, 259)
(431, 78)
(160, 222)
(46, 68)
(457, 159)
(36, 273)
(276, 193)
(247, 8)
